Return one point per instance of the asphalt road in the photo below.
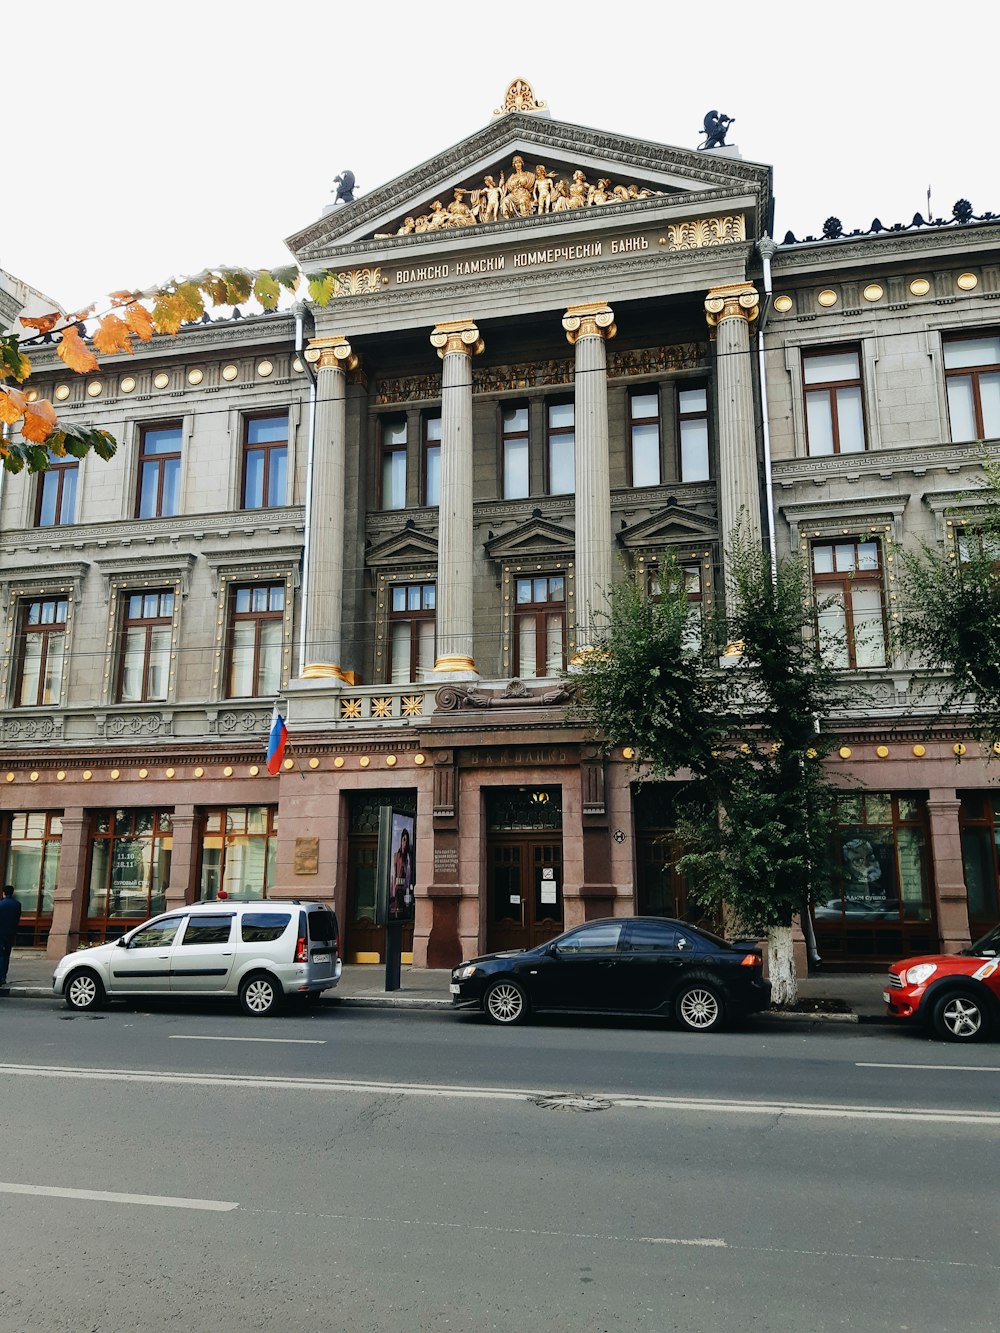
(354, 1169)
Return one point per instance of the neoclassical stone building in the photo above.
(552, 356)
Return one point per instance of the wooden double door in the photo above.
(524, 890)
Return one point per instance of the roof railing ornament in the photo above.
(520, 97)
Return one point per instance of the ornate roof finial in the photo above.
(520, 96)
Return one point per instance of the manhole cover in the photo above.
(572, 1101)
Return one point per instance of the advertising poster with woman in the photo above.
(401, 869)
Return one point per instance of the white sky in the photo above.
(150, 140)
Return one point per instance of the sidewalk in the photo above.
(30, 974)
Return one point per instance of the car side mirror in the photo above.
(121, 942)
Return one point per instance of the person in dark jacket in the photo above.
(10, 915)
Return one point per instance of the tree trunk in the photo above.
(781, 967)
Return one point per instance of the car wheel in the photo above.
(960, 1016)
(506, 1002)
(698, 1007)
(83, 990)
(260, 995)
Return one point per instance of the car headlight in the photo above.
(916, 976)
(464, 972)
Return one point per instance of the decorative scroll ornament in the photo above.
(738, 301)
(333, 353)
(706, 231)
(358, 281)
(454, 698)
(594, 320)
(456, 336)
(520, 96)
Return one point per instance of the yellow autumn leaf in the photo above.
(167, 314)
(139, 321)
(39, 420)
(190, 301)
(75, 353)
(43, 323)
(266, 290)
(12, 405)
(112, 336)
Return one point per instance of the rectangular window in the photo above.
(256, 626)
(850, 611)
(692, 426)
(972, 376)
(56, 500)
(432, 461)
(540, 626)
(514, 450)
(411, 632)
(30, 862)
(393, 464)
(159, 472)
(561, 449)
(129, 868)
(147, 625)
(835, 418)
(239, 849)
(41, 658)
(644, 425)
(695, 591)
(265, 462)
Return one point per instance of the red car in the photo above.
(958, 994)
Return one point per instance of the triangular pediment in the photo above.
(536, 537)
(408, 546)
(568, 173)
(672, 525)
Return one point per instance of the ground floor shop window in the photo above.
(881, 903)
(238, 852)
(980, 820)
(30, 857)
(129, 869)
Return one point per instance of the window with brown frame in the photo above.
(835, 417)
(849, 589)
(159, 472)
(692, 431)
(514, 451)
(29, 855)
(41, 652)
(560, 451)
(972, 377)
(694, 588)
(55, 502)
(411, 632)
(644, 431)
(144, 666)
(130, 854)
(430, 472)
(256, 628)
(239, 852)
(540, 625)
(265, 462)
(392, 463)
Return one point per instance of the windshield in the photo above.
(989, 944)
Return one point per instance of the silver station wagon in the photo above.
(259, 952)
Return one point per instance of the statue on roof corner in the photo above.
(715, 126)
(345, 188)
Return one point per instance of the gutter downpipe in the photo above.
(766, 248)
(310, 455)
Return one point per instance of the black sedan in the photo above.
(622, 965)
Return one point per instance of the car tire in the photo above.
(506, 1002)
(960, 1016)
(698, 1007)
(83, 990)
(260, 995)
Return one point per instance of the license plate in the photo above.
(321, 957)
(455, 988)
(885, 996)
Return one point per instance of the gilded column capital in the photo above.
(331, 353)
(596, 319)
(740, 300)
(458, 335)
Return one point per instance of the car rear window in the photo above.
(322, 926)
(259, 927)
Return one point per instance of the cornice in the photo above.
(191, 338)
(128, 532)
(902, 245)
(916, 459)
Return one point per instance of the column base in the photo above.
(455, 668)
(327, 671)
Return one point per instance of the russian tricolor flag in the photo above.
(276, 742)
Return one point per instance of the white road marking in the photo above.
(105, 1196)
(623, 1101)
(951, 1069)
(278, 1041)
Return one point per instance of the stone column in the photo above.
(69, 900)
(943, 806)
(588, 327)
(457, 342)
(324, 594)
(184, 857)
(730, 311)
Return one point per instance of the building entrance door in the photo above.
(364, 937)
(524, 888)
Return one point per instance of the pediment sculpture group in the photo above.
(520, 194)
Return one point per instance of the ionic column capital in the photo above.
(331, 353)
(458, 335)
(740, 300)
(596, 319)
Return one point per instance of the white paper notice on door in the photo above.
(515, 900)
(548, 887)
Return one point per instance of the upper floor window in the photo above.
(265, 462)
(850, 607)
(393, 464)
(256, 626)
(159, 472)
(835, 418)
(972, 375)
(692, 426)
(694, 590)
(411, 632)
(56, 501)
(41, 651)
(540, 625)
(560, 452)
(644, 425)
(514, 450)
(432, 460)
(147, 625)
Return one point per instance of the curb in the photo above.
(356, 1001)
(779, 1016)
